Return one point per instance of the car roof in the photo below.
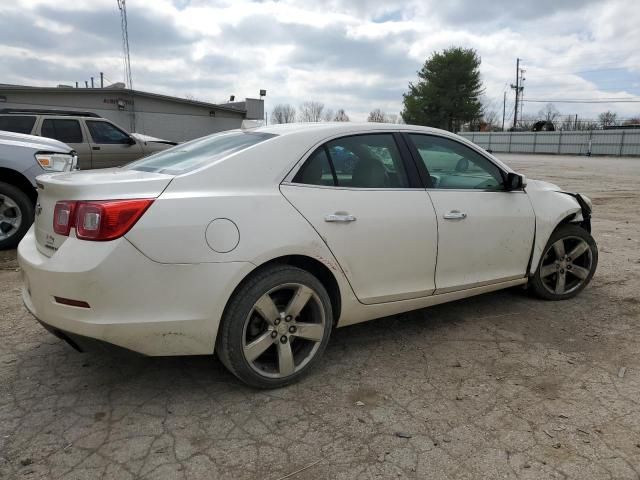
(315, 132)
(330, 128)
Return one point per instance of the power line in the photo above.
(582, 101)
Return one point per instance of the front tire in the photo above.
(567, 265)
(275, 327)
(16, 215)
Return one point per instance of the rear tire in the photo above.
(16, 215)
(275, 327)
(567, 265)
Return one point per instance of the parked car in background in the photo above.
(256, 243)
(22, 159)
(98, 142)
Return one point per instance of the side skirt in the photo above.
(362, 313)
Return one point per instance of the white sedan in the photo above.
(256, 243)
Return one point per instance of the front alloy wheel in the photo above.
(567, 265)
(276, 327)
(10, 217)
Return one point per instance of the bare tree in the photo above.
(377, 115)
(632, 121)
(490, 119)
(587, 125)
(311, 111)
(341, 116)
(550, 113)
(283, 113)
(327, 115)
(608, 118)
(393, 118)
(568, 123)
(526, 122)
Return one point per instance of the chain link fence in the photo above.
(592, 142)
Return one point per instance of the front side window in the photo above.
(106, 133)
(199, 152)
(358, 161)
(453, 165)
(17, 123)
(65, 130)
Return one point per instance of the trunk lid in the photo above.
(106, 184)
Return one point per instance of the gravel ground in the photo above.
(497, 386)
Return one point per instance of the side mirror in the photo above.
(515, 181)
(132, 141)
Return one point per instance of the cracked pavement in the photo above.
(497, 386)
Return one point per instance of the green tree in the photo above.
(447, 92)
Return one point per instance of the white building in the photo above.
(161, 116)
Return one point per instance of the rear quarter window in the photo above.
(17, 123)
(199, 152)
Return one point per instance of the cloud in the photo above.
(356, 54)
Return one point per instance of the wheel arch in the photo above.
(552, 209)
(546, 229)
(314, 266)
(19, 181)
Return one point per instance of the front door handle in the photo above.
(339, 217)
(95, 148)
(455, 215)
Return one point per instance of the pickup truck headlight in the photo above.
(55, 162)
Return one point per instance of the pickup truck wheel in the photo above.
(16, 215)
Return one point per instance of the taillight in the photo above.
(105, 219)
(63, 217)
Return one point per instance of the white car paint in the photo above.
(400, 223)
(161, 289)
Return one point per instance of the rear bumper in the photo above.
(79, 342)
(134, 302)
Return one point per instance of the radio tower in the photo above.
(122, 5)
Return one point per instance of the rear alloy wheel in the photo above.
(16, 215)
(567, 265)
(276, 327)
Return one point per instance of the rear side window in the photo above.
(17, 123)
(106, 133)
(199, 152)
(316, 170)
(65, 130)
(357, 161)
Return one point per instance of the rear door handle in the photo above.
(339, 218)
(455, 215)
(95, 148)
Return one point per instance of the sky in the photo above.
(352, 54)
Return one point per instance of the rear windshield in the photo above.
(199, 152)
(17, 123)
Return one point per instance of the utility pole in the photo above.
(504, 108)
(517, 88)
(128, 79)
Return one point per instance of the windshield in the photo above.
(199, 152)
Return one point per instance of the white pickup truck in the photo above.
(22, 159)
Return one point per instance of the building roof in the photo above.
(122, 91)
